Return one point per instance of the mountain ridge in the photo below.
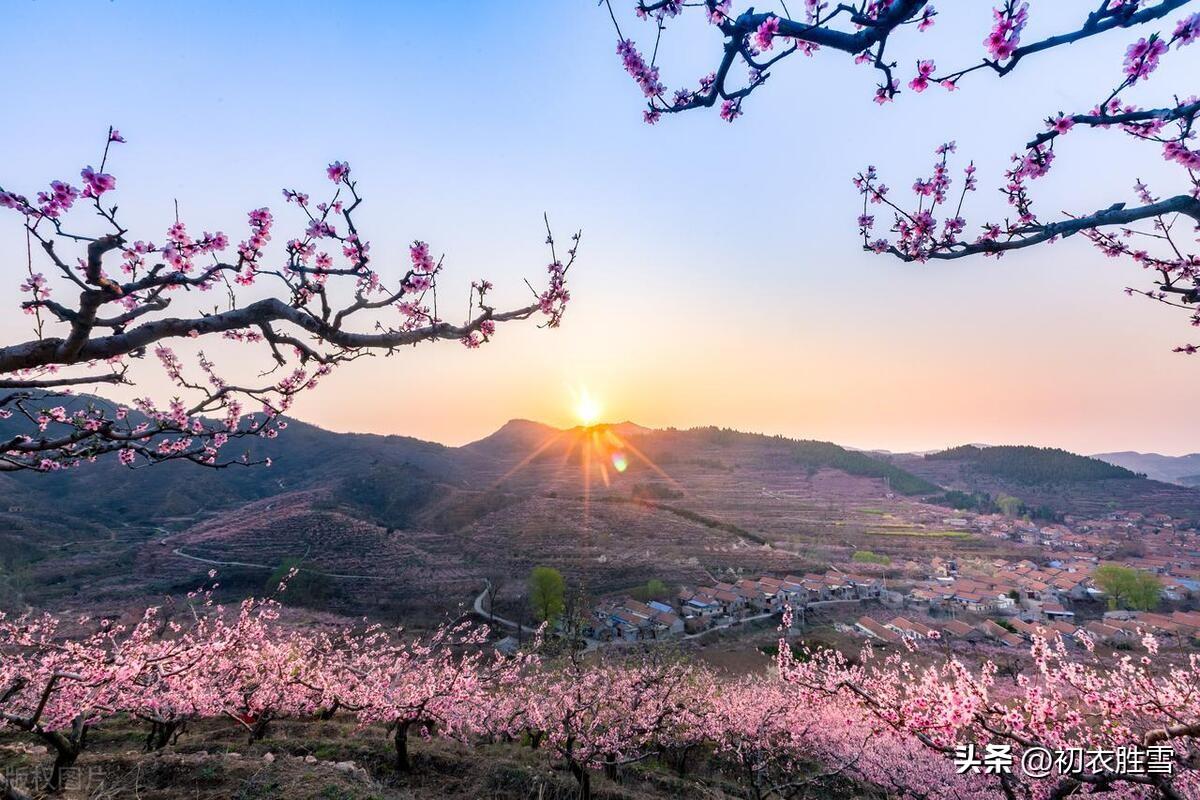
(616, 504)
(1170, 469)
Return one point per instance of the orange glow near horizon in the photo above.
(855, 389)
(596, 449)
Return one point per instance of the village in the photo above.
(986, 602)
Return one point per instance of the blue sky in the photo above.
(720, 279)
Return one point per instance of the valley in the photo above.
(411, 531)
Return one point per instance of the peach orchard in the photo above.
(819, 719)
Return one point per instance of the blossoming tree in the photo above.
(315, 303)
(822, 723)
(55, 686)
(1157, 233)
(1065, 706)
(609, 714)
(440, 683)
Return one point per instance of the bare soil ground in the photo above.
(334, 761)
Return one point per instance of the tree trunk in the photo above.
(327, 713)
(163, 733)
(681, 761)
(403, 763)
(64, 759)
(259, 729)
(610, 767)
(66, 751)
(583, 777)
(752, 780)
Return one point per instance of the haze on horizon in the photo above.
(705, 294)
(604, 422)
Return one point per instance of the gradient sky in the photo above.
(720, 279)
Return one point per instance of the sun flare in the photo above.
(587, 410)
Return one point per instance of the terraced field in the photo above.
(401, 528)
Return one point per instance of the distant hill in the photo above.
(1035, 465)
(809, 454)
(816, 454)
(523, 435)
(1184, 470)
(628, 428)
(302, 457)
(1050, 480)
(516, 433)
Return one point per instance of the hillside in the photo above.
(1033, 465)
(395, 526)
(1051, 479)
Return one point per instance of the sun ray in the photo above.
(646, 459)
(597, 450)
(525, 461)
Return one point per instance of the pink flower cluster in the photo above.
(719, 11)
(338, 171)
(251, 249)
(1008, 22)
(1179, 153)
(59, 199)
(1141, 58)
(645, 75)
(1187, 30)
(918, 229)
(556, 296)
(181, 249)
(766, 33)
(37, 285)
(1061, 123)
(423, 268)
(886, 92)
(665, 10)
(924, 71)
(927, 16)
(96, 183)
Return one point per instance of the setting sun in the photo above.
(587, 410)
